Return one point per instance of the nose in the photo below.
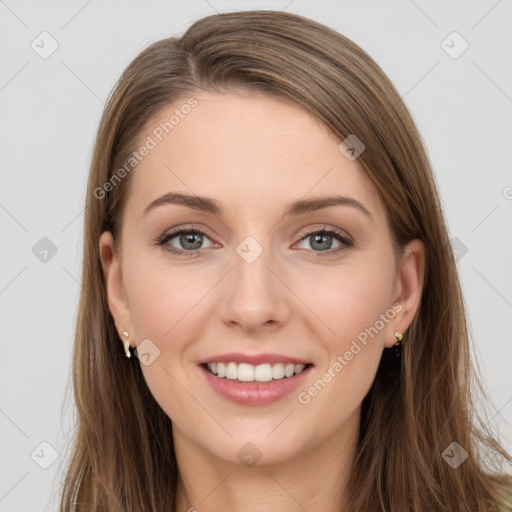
(253, 296)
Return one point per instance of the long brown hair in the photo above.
(123, 453)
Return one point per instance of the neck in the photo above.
(312, 479)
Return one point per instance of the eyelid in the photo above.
(342, 237)
(327, 229)
(173, 233)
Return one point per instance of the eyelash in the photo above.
(162, 241)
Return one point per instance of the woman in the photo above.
(263, 227)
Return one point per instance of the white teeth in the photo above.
(245, 372)
(249, 373)
(231, 371)
(288, 370)
(278, 371)
(263, 373)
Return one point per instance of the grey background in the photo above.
(51, 109)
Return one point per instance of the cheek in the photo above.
(352, 311)
(355, 303)
(165, 306)
(352, 303)
(164, 299)
(168, 307)
(347, 299)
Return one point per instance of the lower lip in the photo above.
(254, 393)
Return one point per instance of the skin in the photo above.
(254, 155)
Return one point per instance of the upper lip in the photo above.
(254, 359)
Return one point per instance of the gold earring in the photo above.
(126, 344)
(397, 347)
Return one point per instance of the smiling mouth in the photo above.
(248, 373)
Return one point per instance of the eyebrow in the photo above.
(299, 207)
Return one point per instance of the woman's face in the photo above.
(257, 278)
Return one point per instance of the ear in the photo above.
(116, 297)
(407, 290)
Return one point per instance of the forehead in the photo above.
(246, 150)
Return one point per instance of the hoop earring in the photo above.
(126, 344)
(397, 347)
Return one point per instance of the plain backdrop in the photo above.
(50, 109)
